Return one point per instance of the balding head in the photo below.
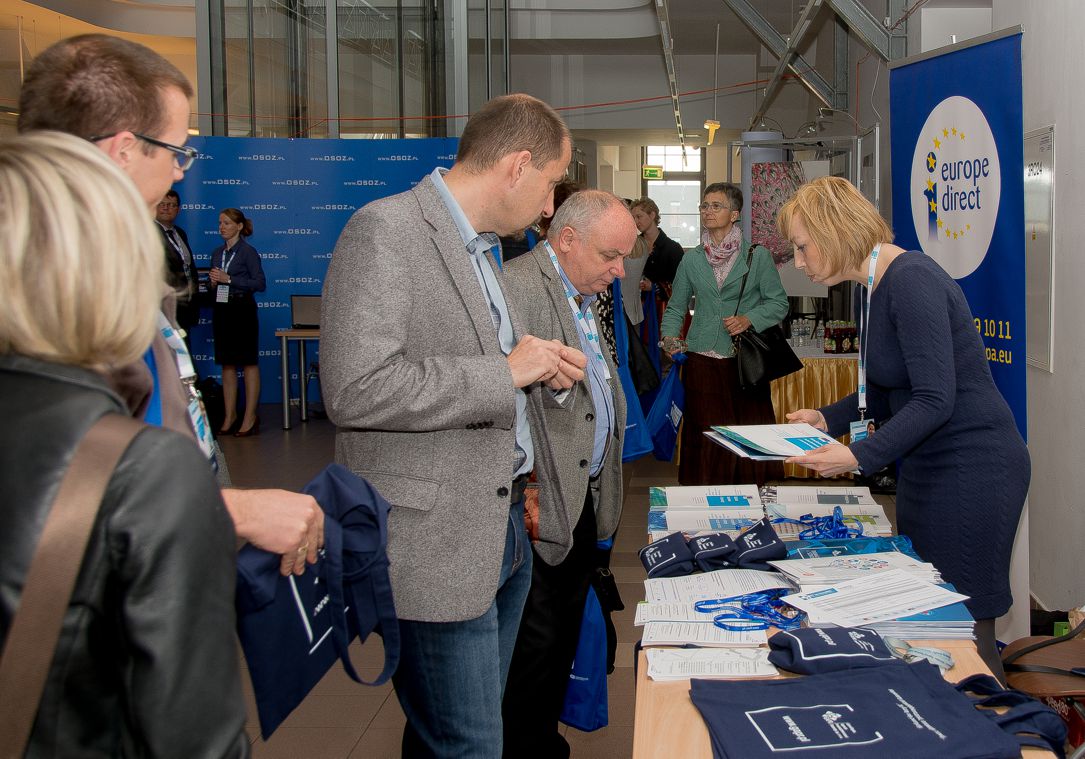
(592, 234)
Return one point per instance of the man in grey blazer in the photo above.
(578, 457)
(423, 370)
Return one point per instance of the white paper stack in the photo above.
(701, 634)
(894, 603)
(723, 583)
(667, 665)
(732, 521)
(824, 495)
(714, 508)
(945, 622)
(815, 574)
(709, 497)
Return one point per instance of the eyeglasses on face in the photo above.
(184, 157)
(168, 204)
(713, 207)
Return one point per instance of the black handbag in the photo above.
(761, 356)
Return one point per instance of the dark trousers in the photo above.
(713, 396)
(988, 647)
(546, 646)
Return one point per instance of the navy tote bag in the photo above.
(294, 629)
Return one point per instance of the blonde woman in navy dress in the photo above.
(964, 468)
(236, 275)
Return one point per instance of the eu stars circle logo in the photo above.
(956, 186)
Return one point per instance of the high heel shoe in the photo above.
(232, 429)
(251, 431)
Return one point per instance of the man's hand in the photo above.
(290, 524)
(736, 324)
(549, 361)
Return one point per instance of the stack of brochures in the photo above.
(712, 508)
(667, 665)
(670, 619)
(822, 495)
(946, 622)
(815, 574)
(893, 603)
(769, 442)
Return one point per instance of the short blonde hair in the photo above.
(81, 265)
(843, 224)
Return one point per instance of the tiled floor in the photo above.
(343, 720)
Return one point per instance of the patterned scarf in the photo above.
(723, 252)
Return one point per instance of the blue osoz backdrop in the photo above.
(299, 195)
(958, 188)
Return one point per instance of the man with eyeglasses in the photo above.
(180, 266)
(133, 104)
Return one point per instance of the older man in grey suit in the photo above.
(424, 367)
(578, 458)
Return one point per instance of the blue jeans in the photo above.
(451, 675)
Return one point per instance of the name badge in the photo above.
(861, 429)
(202, 429)
(222, 294)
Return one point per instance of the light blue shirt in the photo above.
(602, 396)
(478, 245)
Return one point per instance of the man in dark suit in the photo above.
(578, 459)
(424, 367)
(180, 265)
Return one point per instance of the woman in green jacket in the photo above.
(713, 272)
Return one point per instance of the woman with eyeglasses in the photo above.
(236, 275)
(713, 272)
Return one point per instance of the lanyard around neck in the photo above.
(585, 320)
(864, 329)
(233, 253)
(184, 359)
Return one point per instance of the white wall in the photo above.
(932, 28)
(1053, 31)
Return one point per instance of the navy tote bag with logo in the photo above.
(294, 629)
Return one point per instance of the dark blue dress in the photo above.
(964, 469)
(235, 324)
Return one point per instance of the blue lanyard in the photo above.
(833, 527)
(585, 321)
(226, 263)
(753, 611)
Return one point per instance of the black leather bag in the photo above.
(761, 356)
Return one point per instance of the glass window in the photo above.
(677, 200)
(670, 158)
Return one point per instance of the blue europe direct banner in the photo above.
(958, 188)
(299, 194)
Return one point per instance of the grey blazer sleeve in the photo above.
(384, 365)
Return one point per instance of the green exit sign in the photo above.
(651, 172)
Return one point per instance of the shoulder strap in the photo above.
(1008, 660)
(32, 638)
(749, 264)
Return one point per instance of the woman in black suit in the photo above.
(237, 275)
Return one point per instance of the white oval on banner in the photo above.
(956, 186)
